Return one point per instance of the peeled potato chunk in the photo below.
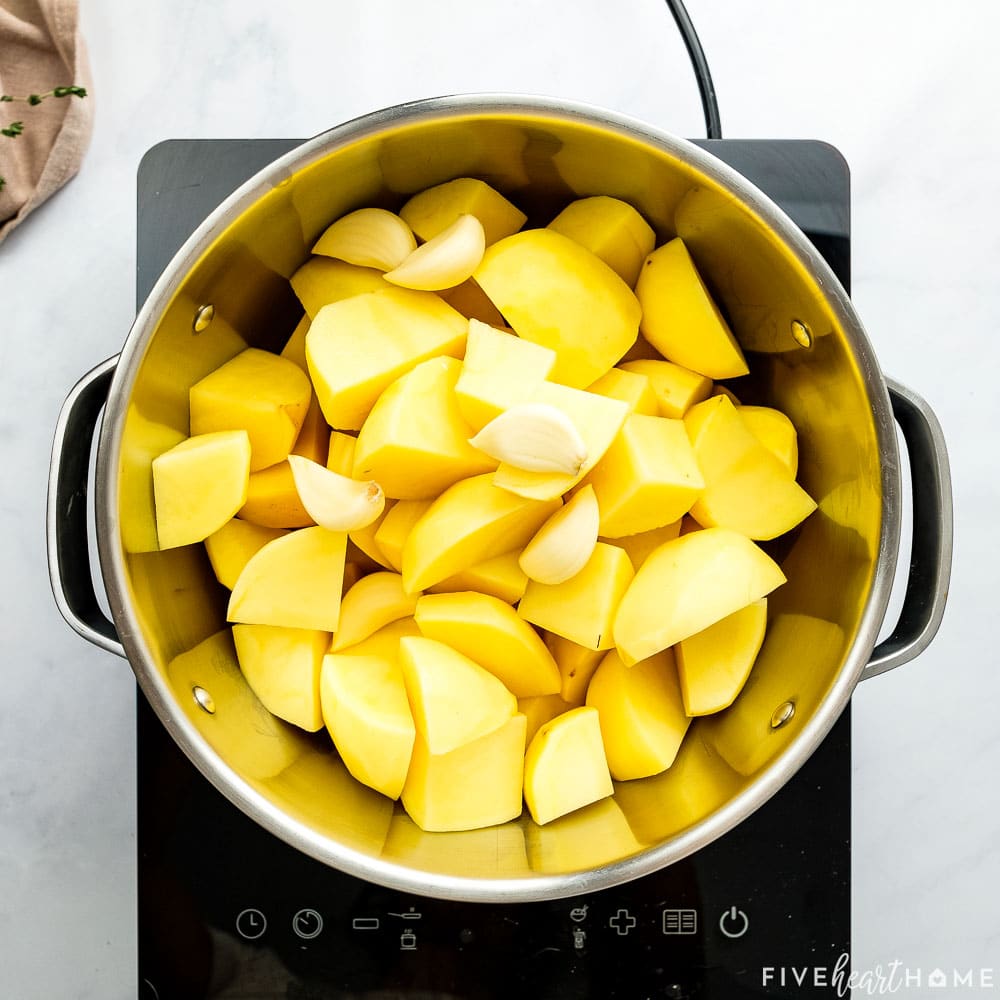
(499, 370)
(414, 442)
(688, 584)
(395, 528)
(679, 317)
(500, 577)
(583, 607)
(259, 392)
(554, 292)
(232, 546)
(648, 478)
(565, 767)
(364, 538)
(747, 489)
(142, 441)
(282, 666)
(198, 485)
(714, 664)
(359, 346)
(611, 229)
(373, 602)
(775, 432)
(322, 280)
(641, 545)
(272, 498)
(295, 347)
(642, 714)
(469, 523)
(539, 709)
(453, 699)
(576, 666)
(631, 387)
(384, 642)
(490, 632)
(475, 785)
(433, 210)
(675, 388)
(366, 710)
(295, 581)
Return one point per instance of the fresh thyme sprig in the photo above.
(14, 129)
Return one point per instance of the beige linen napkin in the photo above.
(40, 49)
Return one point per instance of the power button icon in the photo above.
(734, 923)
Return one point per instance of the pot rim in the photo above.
(401, 877)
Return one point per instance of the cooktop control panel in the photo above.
(228, 911)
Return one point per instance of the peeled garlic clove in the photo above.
(444, 261)
(333, 501)
(369, 237)
(563, 545)
(533, 436)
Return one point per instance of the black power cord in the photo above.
(706, 88)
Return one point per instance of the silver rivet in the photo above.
(203, 317)
(801, 334)
(782, 714)
(204, 699)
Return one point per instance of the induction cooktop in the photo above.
(226, 910)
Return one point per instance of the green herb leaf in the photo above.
(13, 130)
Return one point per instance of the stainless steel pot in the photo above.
(810, 357)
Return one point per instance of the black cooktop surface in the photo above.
(228, 911)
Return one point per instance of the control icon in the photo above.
(578, 914)
(365, 924)
(251, 924)
(680, 921)
(622, 922)
(307, 924)
(407, 941)
(734, 923)
(579, 938)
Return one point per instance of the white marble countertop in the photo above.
(907, 91)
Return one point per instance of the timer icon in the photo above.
(307, 924)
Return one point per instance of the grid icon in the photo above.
(680, 921)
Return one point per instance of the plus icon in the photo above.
(622, 922)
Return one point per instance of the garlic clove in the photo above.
(444, 261)
(537, 437)
(369, 237)
(563, 545)
(333, 501)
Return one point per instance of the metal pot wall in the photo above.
(809, 356)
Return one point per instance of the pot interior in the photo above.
(171, 612)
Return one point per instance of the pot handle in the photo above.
(66, 516)
(931, 546)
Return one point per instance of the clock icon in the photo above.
(307, 924)
(251, 924)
